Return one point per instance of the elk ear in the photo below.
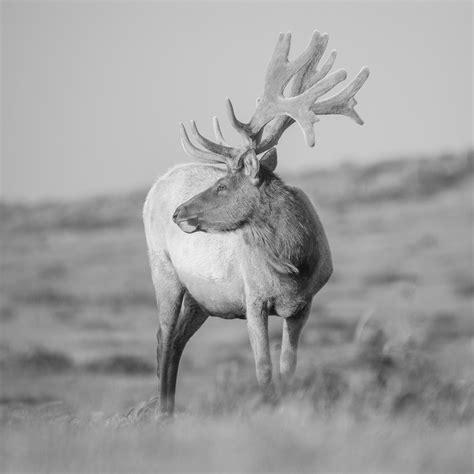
(252, 167)
(269, 159)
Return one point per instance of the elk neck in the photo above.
(281, 228)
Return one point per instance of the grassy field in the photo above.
(385, 378)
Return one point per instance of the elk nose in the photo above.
(176, 213)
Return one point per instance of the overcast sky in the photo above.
(92, 92)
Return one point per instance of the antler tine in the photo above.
(323, 72)
(218, 132)
(210, 145)
(302, 78)
(321, 87)
(344, 102)
(196, 152)
(280, 70)
(241, 128)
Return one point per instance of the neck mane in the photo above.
(281, 227)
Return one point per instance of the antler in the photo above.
(212, 152)
(302, 106)
(309, 84)
(342, 103)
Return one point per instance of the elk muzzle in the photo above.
(185, 221)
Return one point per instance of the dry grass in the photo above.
(289, 440)
(386, 409)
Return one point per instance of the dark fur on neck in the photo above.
(281, 227)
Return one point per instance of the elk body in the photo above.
(228, 238)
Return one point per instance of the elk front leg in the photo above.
(291, 333)
(257, 325)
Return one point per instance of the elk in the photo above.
(228, 238)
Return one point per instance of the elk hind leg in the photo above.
(292, 327)
(158, 351)
(169, 295)
(191, 318)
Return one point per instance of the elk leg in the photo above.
(257, 325)
(191, 318)
(169, 295)
(292, 327)
(158, 351)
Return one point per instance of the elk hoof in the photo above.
(270, 396)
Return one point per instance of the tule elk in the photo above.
(228, 238)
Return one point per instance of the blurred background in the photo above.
(92, 93)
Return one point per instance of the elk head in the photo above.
(232, 200)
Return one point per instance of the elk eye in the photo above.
(221, 187)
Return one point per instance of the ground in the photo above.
(385, 378)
